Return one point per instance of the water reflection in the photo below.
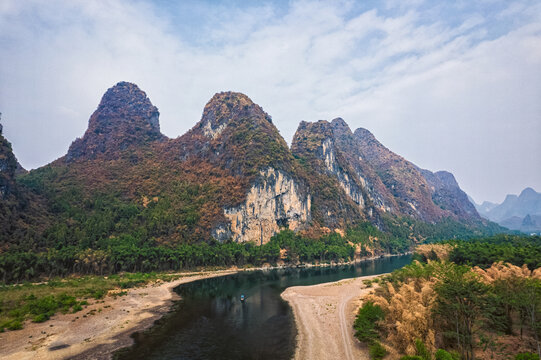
(212, 323)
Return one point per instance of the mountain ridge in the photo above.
(514, 211)
(231, 177)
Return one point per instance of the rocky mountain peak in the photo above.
(510, 198)
(125, 116)
(340, 124)
(237, 135)
(334, 154)
(528, 221)
(126, 101)
(362, 133)
(447, 194)
(447, 178)
(227, 107)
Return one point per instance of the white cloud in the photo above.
(452, 90)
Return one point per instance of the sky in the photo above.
(448, 85)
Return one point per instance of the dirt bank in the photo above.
(99, 329)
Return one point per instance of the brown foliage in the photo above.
(504, 271)
(408, 309)
(434, 251)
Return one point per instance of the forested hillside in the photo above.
(127, 198)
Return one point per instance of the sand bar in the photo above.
(324, 315)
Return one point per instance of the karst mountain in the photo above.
(232, 177)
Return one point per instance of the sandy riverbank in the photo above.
(106, 327)
(324, 315)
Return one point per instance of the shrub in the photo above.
(411, 357)
(44, 305)
(14, 325)
(98, 294)
(408, 313)
(377, 351)
(131, 283)
(443, 355)
(40, 318)
(527, 356)
(420, 350)
(366, 322)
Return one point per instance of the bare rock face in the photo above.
(351, 188)
(273, 203)
(376, 179)
(449, 196)
(403, 179)
(332, 151)
(380, 197)
(124, 117)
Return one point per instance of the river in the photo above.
(210, 322)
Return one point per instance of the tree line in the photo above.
(127, 253)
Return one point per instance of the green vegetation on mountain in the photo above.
(23, 214)
(127, 198)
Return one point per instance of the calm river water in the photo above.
(210, 322)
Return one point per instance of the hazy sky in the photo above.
(448, 86)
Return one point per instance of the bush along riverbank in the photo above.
(452, 304)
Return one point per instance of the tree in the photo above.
(459, 305)
(366, 322)
(529, 302)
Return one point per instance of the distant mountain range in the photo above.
(521, 212)
(231, 177)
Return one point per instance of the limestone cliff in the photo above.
(331, 151)
(274, 202)
(338, 199)
(352, 189)
(379, 195)
(238, 136)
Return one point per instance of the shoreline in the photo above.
(324, 316)
(329, 264)
(104, 327)
(100, 329)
